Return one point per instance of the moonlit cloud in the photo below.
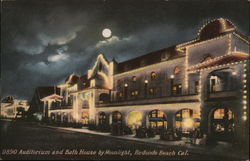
(44, 42)
(112, 40)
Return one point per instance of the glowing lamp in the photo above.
(126, 85)
(172, 76)
(188, 123)
(244, 117)
(146, 81)
(234, 73)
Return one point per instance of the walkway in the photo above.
(221, 149)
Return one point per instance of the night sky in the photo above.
(44, 41)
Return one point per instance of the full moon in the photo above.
(106, 33)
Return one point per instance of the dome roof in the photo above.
(215, 28)
(72, 79)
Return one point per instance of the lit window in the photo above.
(219, 114)
(153, 75)
(207, 59)
(185, 113)
(196, 90)
(134, 78)
(177, 70)
(152, 91)
(196, 114)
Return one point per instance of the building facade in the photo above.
(13, 108)
(203, 83)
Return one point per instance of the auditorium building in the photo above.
(202, 83)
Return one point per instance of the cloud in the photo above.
(61, 39)
(111, 41)
(60, 56)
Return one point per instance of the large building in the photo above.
(12, 108)
(203, 83)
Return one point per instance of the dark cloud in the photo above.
(43, 41)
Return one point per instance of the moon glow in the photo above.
(106, 33)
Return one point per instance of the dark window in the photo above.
(153, 75)
(134, 78)
(176, 89)
(196, 88)
(152, 91)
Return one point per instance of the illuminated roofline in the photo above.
(148, 66)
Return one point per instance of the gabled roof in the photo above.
(148, 59)
(84, 81)
(72, 79)
(215, 28)
(8, 99)
(45, 91)
(52, 97)
(230, 58)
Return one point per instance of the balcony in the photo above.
(168, 99)
(227, 94)
(61, 106)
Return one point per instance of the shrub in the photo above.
(77, 125)
(127, 130)
(92, 126)
(150, 133)
(116, 129)
(104, 128)
(141, 132)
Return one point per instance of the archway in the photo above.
(187, 120)
(117, 127)
(104, 97)
(53, 117)
(157, 120)
(85, 118)
(117, 117)
(222, 123)
(58, 117)
(134, 119)
(102, 118)
(65, 118)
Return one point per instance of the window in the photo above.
(152, 91)
(157, 119)
(176, 89)
(207, 58)
(177, 70)
(135, 93)
(153, 75)
(134, 78)
(196, 87)
(219, 114)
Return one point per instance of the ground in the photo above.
(17, 136)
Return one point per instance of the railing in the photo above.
(167, 99)
(224, 94)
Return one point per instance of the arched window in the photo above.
(222, 124)
(134, 78)
(153, 75)
(157, 119)
(102, 118)
(104, 97)
(116, 117)
(207, 58)
(187, 120)
(177, 70)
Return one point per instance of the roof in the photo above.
(84, 81)
(72, 79)
(52, 97)
(148, 59)
(230, 58)
(45, 91)
(215, 28)
(8, 99)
